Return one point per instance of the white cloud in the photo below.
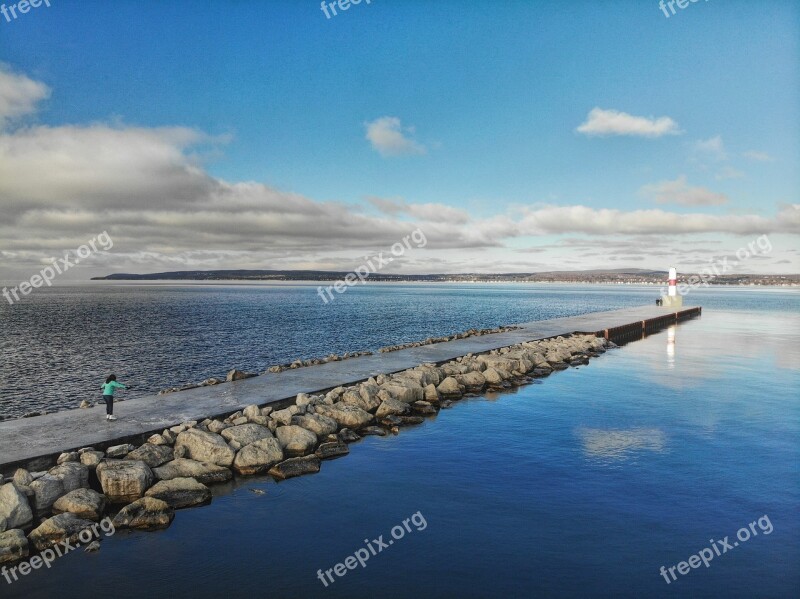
(425, 212)
(614, 122)
(728, 172)
(18, 95)
(758, 156)
(388, 137)
(713, 148)
(582, 219)
(679, 192)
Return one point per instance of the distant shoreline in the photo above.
(618, 277)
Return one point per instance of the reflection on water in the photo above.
(671, 347)
(610, 445)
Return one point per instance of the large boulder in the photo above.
(332, 449)
(473, 381)
(57, 529)
(258, 456)
(152, 455)
(295, 467)
(13, 546)
(203, 472)
(346, 416)
(84, 503)
(492, 376)
(73, 474)
(124, 481)
(14, 507)
(180, 492)
(147, 513)
(119, 451)
(91, 458)
(296, 440)
(205, 447)
(47, 488)
(449, 388)
(405, 390)
(316, 423)
(244, 434)
(361, 400)
(392, 407)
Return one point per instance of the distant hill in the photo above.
(618, 275)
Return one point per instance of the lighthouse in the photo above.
(672, 299)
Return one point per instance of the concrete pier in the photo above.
(34, 443)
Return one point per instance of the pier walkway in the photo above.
(35, 442)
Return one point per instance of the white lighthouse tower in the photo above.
(672, 299)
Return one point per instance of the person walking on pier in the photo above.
(109, 387)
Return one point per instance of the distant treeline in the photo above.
(632, 276)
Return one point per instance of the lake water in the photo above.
(59, 344)
(583, 485)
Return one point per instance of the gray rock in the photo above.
(180, 492)
(295, 440)
(46, 490)
(71, 456)
(375, 430)
(251, 411)
(295, 467)
(58, 529)
(119, 451)
(206, 447)
(203, 472)
(327, 451)
(392, 406)
(346, 416)
(14, 507)
(244, 434)
(217, 426)
(492, 376)
(84, 503)
(237, 375)
(13, 546)
(449, 388)
(316, 423)
(152, 455)
(367, 402)
(472, 381)
(74, 475)
(147, 513)
(22, 477)
(431, 394)
(157, 439)
(124, 481)
(91, 459)
(284, 416)
(423, 407)
(348, 436)
(258, 456)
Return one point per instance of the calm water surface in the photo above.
(581, 486)
(59, 344)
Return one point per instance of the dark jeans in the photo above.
(109, 404)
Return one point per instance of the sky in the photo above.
(514, 136)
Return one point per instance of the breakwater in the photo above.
(142, 485)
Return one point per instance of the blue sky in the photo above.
(259, 112)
